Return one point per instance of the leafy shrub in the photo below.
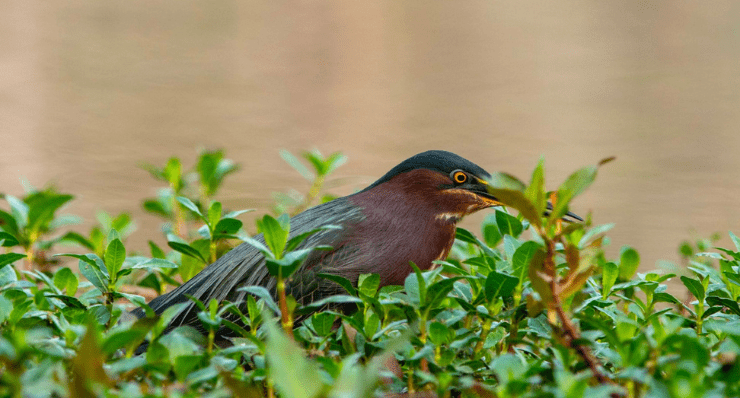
(530, 308)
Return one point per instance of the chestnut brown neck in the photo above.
(406, 219)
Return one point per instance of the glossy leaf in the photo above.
(694, 286)
(507, 224)
(7, 240)
(275, 233)
(368, 284)
(293, 374)
(227, 226)
(9, 258)
(499, 285)
(522, 258)
(186, 250)
(66, 280)
(609, 275)
(287, 264)
(629, 261)
(115, 255)
(214, 214)
(190, 206)
(535, 192)
(573, 186)
(516, 200)
(341, 281)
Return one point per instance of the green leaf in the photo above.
(115, 255)
(317, 160)
(732, 305)
(464, 235)
(87, 365)
(66, 279)
(523, 257)
(156, 251)
(93, 273)
(499, 285)
(516, 200)
(735, 240)
(341, 281)
(504, 181)
(69, 301)
(438, 291)
(368, 284)
(609, 274)
(538, 278)
(6, 306)
(629, 261)
(336, 299)
(439, 333)
(322, 323)
(8, 223)
(214, 215)
(74, 237)
(416, 286)
(695, 287)
(191, 206)
(186, 250)
(19, 209)
(592, 233)
(334, 160)
(264, 294)
(227, 226)
(152, 263)
(9, 258)
(293, 374)
(275, 233)
(508, 225)
(42, 206)
(7, 240)
(259, 246)
(491, 235)
(573, 186)
(298, 239)
(285, 266)
(535, 192)
(124, 338)
(297, 165)
(156, 207)
(173, 174)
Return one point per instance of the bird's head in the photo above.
(450, 184)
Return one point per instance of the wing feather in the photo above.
(245, 265)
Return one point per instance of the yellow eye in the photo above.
(459, 177)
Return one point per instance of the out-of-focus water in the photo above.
(89, 90)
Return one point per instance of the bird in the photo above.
(408, 215)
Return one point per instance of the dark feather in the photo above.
(436, 160)
(245, 266)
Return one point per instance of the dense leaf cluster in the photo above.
(531, 307)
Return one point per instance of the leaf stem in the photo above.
(287, 322)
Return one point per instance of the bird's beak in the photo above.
(480, 189)
(569, 216)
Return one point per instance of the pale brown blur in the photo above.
(90, 89)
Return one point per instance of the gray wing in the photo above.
(245, 266)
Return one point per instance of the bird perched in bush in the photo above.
(408, 215)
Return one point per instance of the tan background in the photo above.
(90, 89)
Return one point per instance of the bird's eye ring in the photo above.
(459, 177)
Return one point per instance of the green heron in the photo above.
(409, 214)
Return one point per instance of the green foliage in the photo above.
(532, 308)
(295, 202)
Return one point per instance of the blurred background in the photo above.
(90, 90)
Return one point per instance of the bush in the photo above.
(530, 308)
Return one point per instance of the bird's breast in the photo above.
(394, 235)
